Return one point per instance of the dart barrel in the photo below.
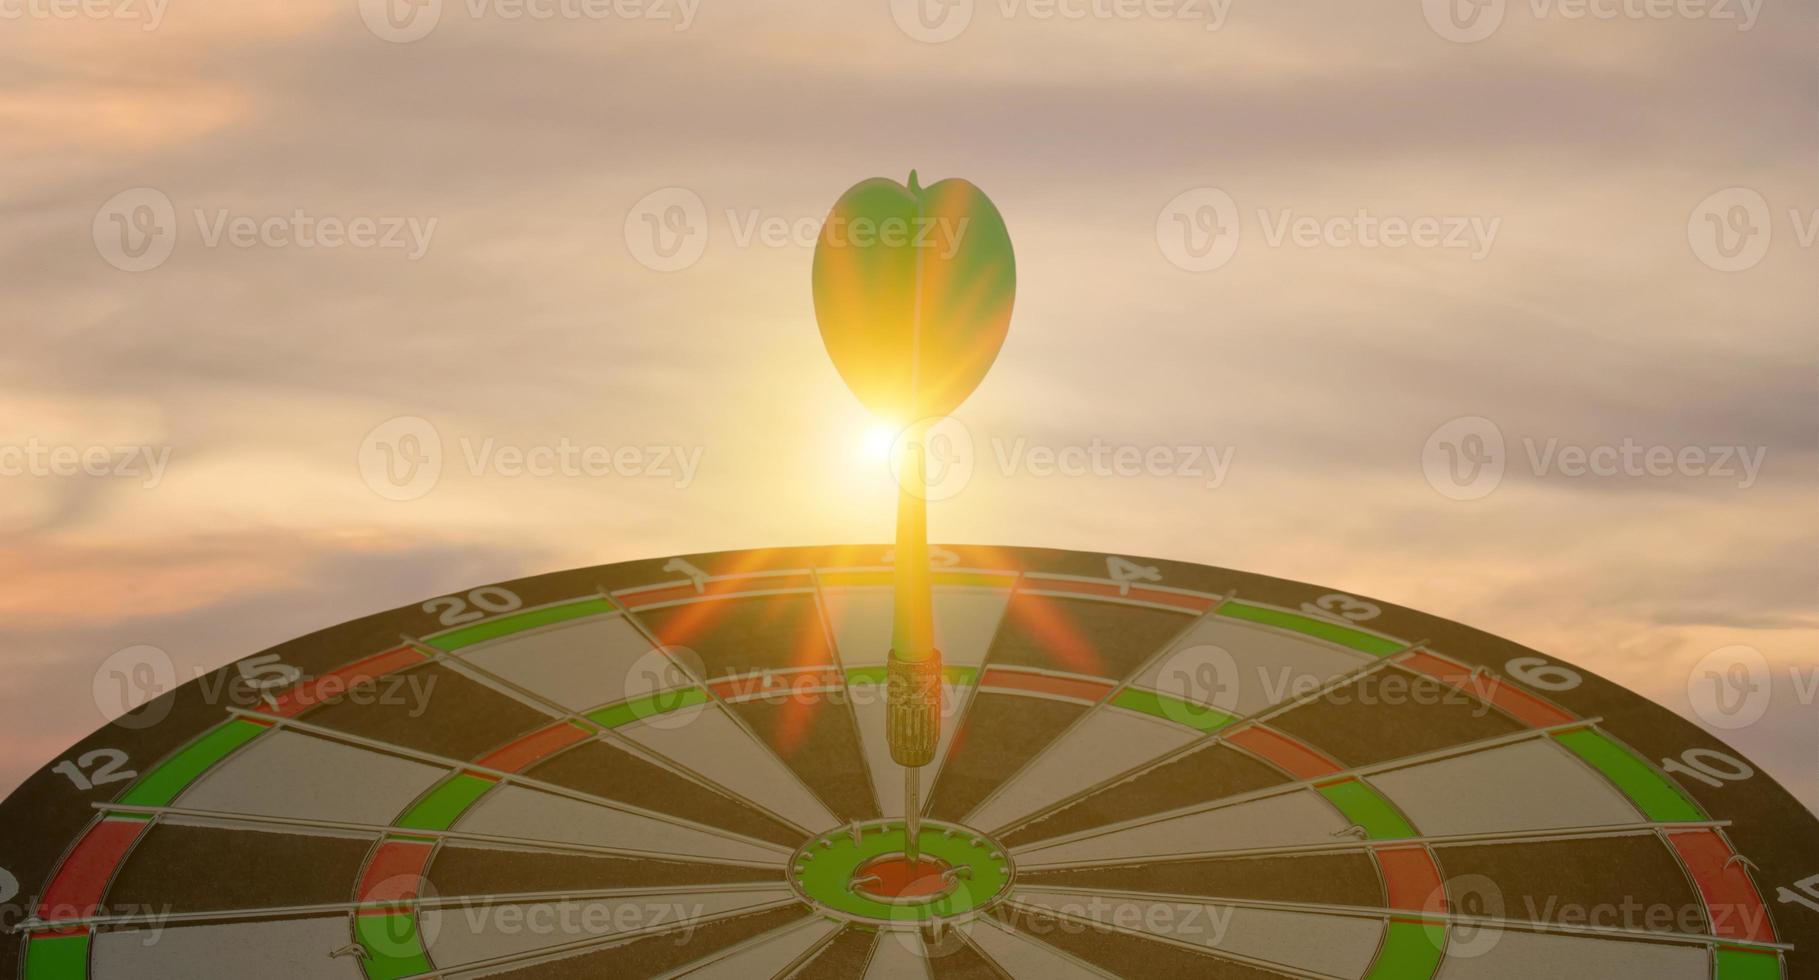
(913, 709)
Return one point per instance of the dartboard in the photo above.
(677, 768)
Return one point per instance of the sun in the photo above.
(878, 441)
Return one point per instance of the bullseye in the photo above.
(895, 878)
(864, 873)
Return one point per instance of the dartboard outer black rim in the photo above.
(1151, 768)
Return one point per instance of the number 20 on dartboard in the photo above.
(457, 610)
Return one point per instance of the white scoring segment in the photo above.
(1242, 669)
(1021, 956)
(1295, 819)
(466, 936)
(898, 956)
(966, 620)
(1331, 945)
(580, 666)
(708, 742)
(518, 812)
(296, 949)
(768, 956)
(1234, 668)
(1105, 744)
(869, 712)
(1514, 955)
(286, 774)
(1532, 785)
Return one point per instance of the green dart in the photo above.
(913, 291)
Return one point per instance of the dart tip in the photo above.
(912, 812)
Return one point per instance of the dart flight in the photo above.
(913, 292)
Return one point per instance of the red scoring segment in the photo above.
(535, 747)
(394, 877)
(714, 589)
(1412, 879)
(1075, 688)
(317, 690)
(1292, 756)
(1102, 590)
(1518, 704)
(82, 879)
(1730, 896)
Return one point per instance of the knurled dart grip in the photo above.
(913, 716)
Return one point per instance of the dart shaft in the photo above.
(913, 623)
(913, 698)
(912, 809)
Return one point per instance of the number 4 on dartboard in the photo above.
(1806, 895)
(1124, 571)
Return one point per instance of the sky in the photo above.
(1501, 310)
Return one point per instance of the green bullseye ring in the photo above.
(823, 872)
